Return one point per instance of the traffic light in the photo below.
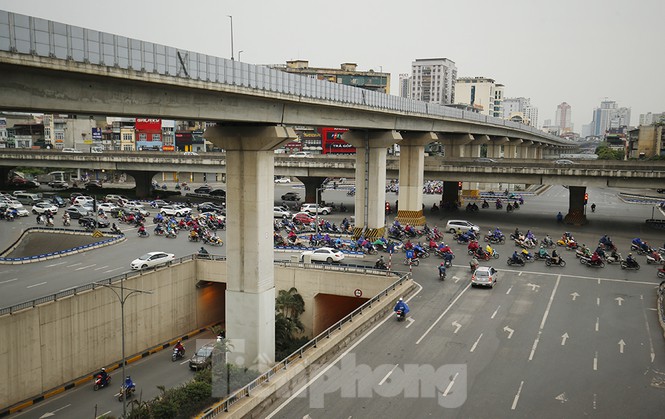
(459, 186)
(586, 198)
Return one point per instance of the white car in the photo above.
(136, 206)
(315, 208)
(176, 210)
(71, 150)
(485, 276)
(323, 254)
(301, 154)
(42, 207)
(564, 162)
(152, 259)
(464, 225)
(82, 199)
(280, 212)
(20, 210)
(108, 207)
(282, 180)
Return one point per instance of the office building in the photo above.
(405, 85)
(433, 80)
(480, 92)
(520, 105)
(563, 118)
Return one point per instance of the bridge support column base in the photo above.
(370, 234)
(576, 218)
(415, 218)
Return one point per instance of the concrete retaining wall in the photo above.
(60, 341)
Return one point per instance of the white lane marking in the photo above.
(508, 292)
(542, 323)
(85, 267)
(473, 348)
(111, 270)
(595, 396)
(444, 313)
(450, 385)
(595, 362)
(623, 281)
(597, 323)
(456, 278)
(598, 301)
(103, 415)
(9, 280)
(36, 285)
(598, 281)
(517, 396)
(646, 323)
(45, 415)
(102, 267)
(457, 326)
(387, 375)
(343, 354)
(184, 362)
(520, 274)
(410, 320)
(55, 264)
(74, 264)
(495, 311)
(509, 330)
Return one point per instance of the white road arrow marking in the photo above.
(574, 295)
(533, 286)
(456, 278)
(457, 326)
(621, 346)
(509, 330)
(562, 398)
(49, 414)
(619, 300)
(564, 337)
(410, 320)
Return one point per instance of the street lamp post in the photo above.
(231, 17)
(123, 298)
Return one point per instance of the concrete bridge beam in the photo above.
(250, 291)
(494, 147)
(370, 200)
(411, 174)
(454, 144)
(510, 149)
(143, 181)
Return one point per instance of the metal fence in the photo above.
(44, 38)
(246, 391)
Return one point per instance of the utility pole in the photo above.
(231, 17)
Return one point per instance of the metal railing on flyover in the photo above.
(224, 405)
(86, 287)
(29, 35)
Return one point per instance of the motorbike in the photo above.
(413, 261)
(638, 249)
(614, 259)
(519, 262)
(100, 383)
(143, 234)
(569, 245)
(177, 354)
(536, 256)
(159, 231)
(399, 315)
(213, 241)
(126, 392)
(526, 243)
(655, 257)
(442, 276)
(579, 252)
(527, 257)
(661, 273)
(547, 242)
(587, 261)
(170, 234)
(473, 266)
(494, 240)
(633, 265)
(66, 222)
(499, 205)
(380, 265)
(485, 204)
(116, 230)
(194, 238)
(550, 262)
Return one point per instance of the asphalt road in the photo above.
(571, 316)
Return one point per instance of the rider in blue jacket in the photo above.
(401, 305)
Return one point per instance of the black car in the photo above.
(202, 358)
(221, 193)
(101, 223)
(56, 200)
(291, 196)
(210, 207)
(93, 184)
(203, 189)
(76, 212)
(660, 190)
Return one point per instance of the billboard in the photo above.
(150, 125)
(97, 134)
(332, 142)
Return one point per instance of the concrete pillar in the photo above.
(510, 149)
(454, 144)
(411, 173)
(541, 150)
(450, 194)
(370, 200)
(576, 214)
(523, 149)
(494, 147)
(143, 181)
(250, 288)
(4, 173)
(473, 149)
(312, 183)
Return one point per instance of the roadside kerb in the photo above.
(286, 376)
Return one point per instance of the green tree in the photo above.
(290, 303)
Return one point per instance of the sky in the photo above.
(575, 51)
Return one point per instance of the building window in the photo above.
(127, 136)
(155, 137)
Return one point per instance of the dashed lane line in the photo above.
(542, 323)
(9, 280)
(36, 285)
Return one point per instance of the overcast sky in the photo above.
(577, 51)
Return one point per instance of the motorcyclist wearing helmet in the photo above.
(526, 254)
(542, 253)
(442, 269)
(489, 250)
(595, 258)
(515, 257)
(473, 263)
(203, 251)
(104, 376)
(555, 257)
(380, 263)
(630, 260)
(401, 305)
(129, 384)
(179, 347)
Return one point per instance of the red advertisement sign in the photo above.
(148, 125)
(332, 143)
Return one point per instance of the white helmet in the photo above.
(401, 298)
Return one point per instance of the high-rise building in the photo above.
(481, 93)
(521, 105)
(650, 118)
(608, 116)
(405, 85)
(433, 80)
(563, 118)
